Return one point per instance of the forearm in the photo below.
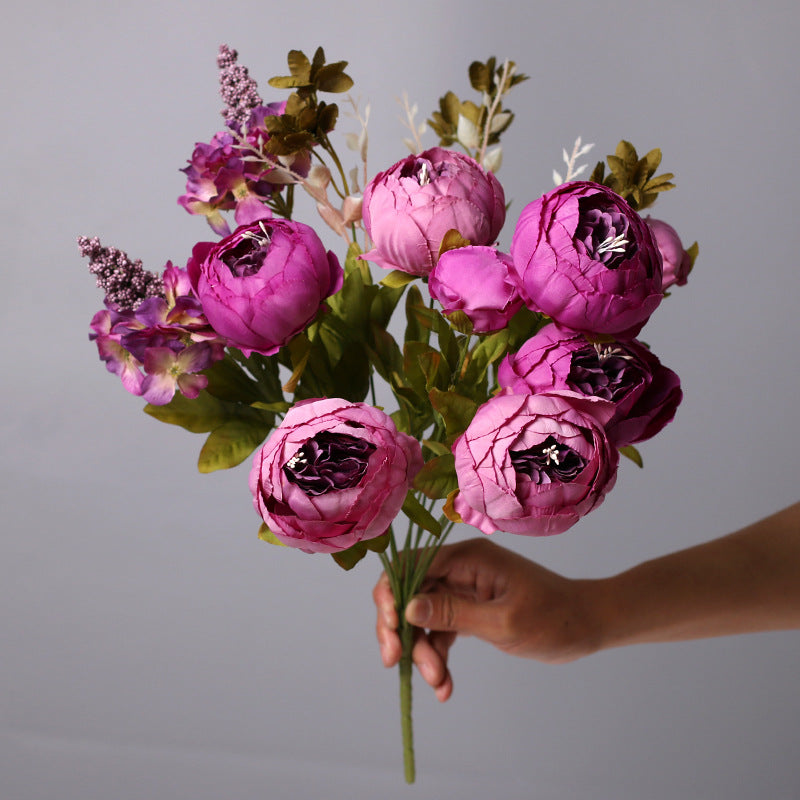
(745, 582)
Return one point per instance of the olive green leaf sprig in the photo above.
(307, 121)
(477, 127)
(632, 177)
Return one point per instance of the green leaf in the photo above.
(456, 411)
(299, 349)
(480, 77)
(230, 444)
(419, 318)
(438, 477)
(420, 515)
(460, 321)
(200, 415)
(693, 252)
(413, 352)
(438, 448)
(228, 381)
(485, 353)
(347, 559)
(629, 451)
(266, 535)
(452, 240)
(396, 279)
(280, 407)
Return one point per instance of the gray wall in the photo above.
(152, 647)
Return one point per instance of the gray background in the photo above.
(152, 647)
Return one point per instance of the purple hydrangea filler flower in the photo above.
(479, 281)
(677, 263)
(586, 259)
(645, 393)
(534, 464)
(411, 206)
(264, 283)
(162, 345)
(333, 474)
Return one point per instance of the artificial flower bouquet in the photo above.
(519, 379)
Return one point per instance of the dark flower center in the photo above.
(603, 232)
(549, 461)
(247, 256)
(420, 169)
(606, 372)
(329, 461)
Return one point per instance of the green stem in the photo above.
(407, 641)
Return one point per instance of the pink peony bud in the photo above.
(677, 262)
(411, 206)
(479, 281)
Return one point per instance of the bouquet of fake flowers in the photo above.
(519, 379)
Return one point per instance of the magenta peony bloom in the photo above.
(479, 281)
(333, 473)
(646, 394)
(676, 261)
(411, 206)
(264, 283)
(586, 259)
(534, 464)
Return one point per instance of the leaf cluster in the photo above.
(632, 177)
(492, 82)
(306, 119)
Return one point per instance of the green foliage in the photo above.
(306, 121)
(235, 429)
(476, 126)
(438, 477)
(632, 177)
(347, 559)
(629, 451)
(266, 535)
(420, 515)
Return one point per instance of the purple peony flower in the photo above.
(479, 281)
(645, 393)
(534, 464)
(333, 473)
(677, 263)
(586, 259)
(411, 206)
(264, 283)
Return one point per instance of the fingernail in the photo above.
(419, 610)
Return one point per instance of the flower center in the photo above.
(328, 462)
(549, 461)
(247, 256)
(602, 232)
(419, 169)
(605, 371)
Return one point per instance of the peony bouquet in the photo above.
(518, 381)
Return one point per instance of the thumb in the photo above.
(444, 611)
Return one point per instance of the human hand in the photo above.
(477, 588)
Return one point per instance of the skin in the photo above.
(745, 582)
